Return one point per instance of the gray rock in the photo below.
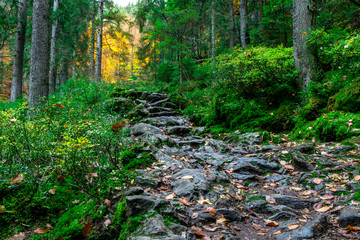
(349, 216)
(143, 128)
(283, 216)
(134, 191)
(294, 202)
(261, 163)
(341, 149)
(244, 176)
(243, 167)
(178, 130)
(238, 150)
(177, 228)
(311, 230)
(165, 121)
(258, 206)
(305, 148)
(204, 218)
(300, 162)
(183, 188)
(276, 178)
(232, 215)
(158, 109)
(120, 104)
(269, 148)
(164, 113)
(140, 204)
(154, 97)
(249, 138)
(145, 180)
(154, 226)
(169, 162)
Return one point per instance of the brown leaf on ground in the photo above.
(20, 236)
(18, 178)
(41, 230)
(203, 201)
(185, 201)
(292, 227)
(221, 220)
(210, 229)
(270, 199)
(270, 223)
(187, 177)
(318, 180)
(117, 126)
(52, 191)
(289, 167)
(86, 230)
(352, 228)
(261, 234)
(257, 226)
(107, 202)
(278, 232)
(170, 196)
(317, 205)
(338, 208)
(194, 215)
(219, 236)
(327, 196)
(357, 178)
(323, 209)
(107, 223)
(210, 210)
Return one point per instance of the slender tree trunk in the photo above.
(213, 33)
(53, 51)
(260, 14)
(181, 68)
(231, 27)
(99, 44)
(64, 73)
(17, 81)
(304, 21)
(40, 54)
(243, 22)
(92, 50)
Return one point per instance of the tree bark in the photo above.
(64, 73)
(99, 44)
(92, 50)
(53, 50)
(39, 70)
(213, 37)
(231, 26)
(17, 81)
(243, 23)
(304, 21)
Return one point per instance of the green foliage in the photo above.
(134, 159)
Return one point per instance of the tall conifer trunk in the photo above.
(53, 51)
(92, 50)
(243, 23)
(99, 44)
(231, 25)
(17, 80)
(40, 53)
(304, 21)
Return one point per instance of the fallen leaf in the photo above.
(327, 196)
(118, 126)
(302, 220)
(187, 177)
(210, 210)
(318, 180)
(91, 175)
(185, 201)
(209, 229)
(49, 226)
(270, 199)
(13, 120)
(270, 223)
(59, 105)
(289, 167)
(317, 205)
(257, 226)
(203, 201)
(304, 197)
(41, 230)
(296, 188)
(1, 209)
(107, 202)
(194, 215)
(278, 232)
(86, 230)
(357, 178)
(323, 209)
(261, 234)
(52, 191)
(306, 193)
(18, 178)
(220, 236)
(292, 227)
(107, 222)
(222, 221)
(352, 228)
(170, 196)
(335, 209)
(20, 236)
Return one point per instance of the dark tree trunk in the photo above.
(64, 73)
(92, 50)
(17, 81)
(231, 25)
(40, 54)
(53, 51)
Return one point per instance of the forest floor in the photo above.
(239, 188)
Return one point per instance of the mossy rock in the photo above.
(348, 98)
(119, 104)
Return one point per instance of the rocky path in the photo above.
(201, 188)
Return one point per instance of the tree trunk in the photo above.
(64, 73)
(231, 28)
(39, 70)
(304, 21)
(92, 50)
(99, 44)
(243, 23)
(260, 14)
(17, 81)
(181, 68)
(53, 52)
(213, 32)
